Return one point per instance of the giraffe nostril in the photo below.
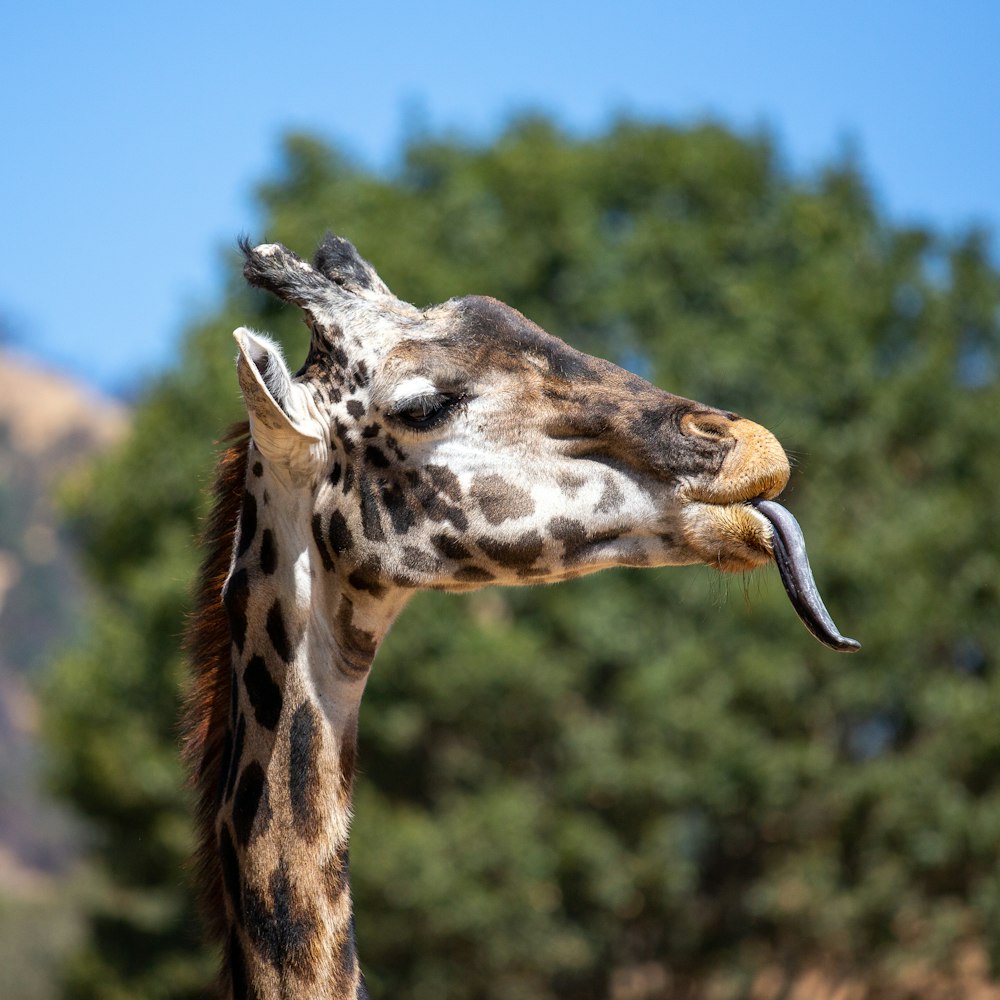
(713, 426)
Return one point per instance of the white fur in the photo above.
(411, 388)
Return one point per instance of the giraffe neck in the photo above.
(302, 648)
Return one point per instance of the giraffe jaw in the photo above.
(730, 536)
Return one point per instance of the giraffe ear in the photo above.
(280, 422)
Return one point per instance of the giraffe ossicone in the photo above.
(450, 448)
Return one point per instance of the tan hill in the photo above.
(49, 424)
(44, 411)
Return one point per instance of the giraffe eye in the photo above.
(425, 412)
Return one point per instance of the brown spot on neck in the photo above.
(305, 743)
(348, 758)
(357, 646)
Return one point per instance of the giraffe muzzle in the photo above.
(797, 577)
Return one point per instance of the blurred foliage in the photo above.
(655, 772)
(35, 931)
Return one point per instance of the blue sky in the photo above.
(133, 135)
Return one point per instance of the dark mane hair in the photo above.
(207, 642)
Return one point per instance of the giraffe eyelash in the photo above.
(428, 410)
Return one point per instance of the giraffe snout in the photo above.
(755, 464)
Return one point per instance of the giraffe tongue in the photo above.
(797, 579)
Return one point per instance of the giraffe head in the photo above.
(460, 445)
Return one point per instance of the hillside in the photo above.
(49, 427)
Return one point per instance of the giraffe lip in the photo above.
(797, 577)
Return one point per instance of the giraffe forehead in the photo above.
(480, 333)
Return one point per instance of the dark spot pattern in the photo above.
(336, 875)
(371, 431)
(348, 757)
(324, 552)
(268, 553)
(473, 574)
(341, 434)
(303, 771)
(445, 481)
(417, 559)
(277, 633)
(348, 478)
(396, 505)
(500, 500)
(234, 598)
(238, 969)
(335, 474)
(250, 792)
(339, 534)
(283, 927)
(357, 646)
(356, 408)
(392, 443)
(437, 506)
(248, 523)
(230, 870)
(450, 547)
(517, 553)
(224, 764)
(237, 758)
(234, 698)
(366, 578)
(264, 693)
(258, 469)
(376, 457)
(612, 498)
(371, 521)
(570, 482)
(571, 533)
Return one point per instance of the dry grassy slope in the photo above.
(48, 425)
(45, 411)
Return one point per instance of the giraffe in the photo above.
(449, 448)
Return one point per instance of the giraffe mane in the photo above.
(207, 641)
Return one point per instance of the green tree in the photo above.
(642, 776)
